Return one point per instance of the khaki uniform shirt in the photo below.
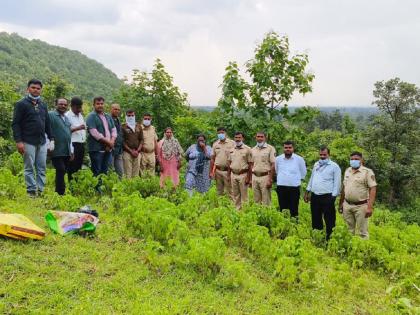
(221, 152)
(263, 158)
(239, 158)
(132, 138)
(149, 138)
(357, 184)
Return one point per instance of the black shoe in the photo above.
(31, 194)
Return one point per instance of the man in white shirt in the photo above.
(78, 135)
(290, 170)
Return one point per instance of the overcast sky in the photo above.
(351, 44)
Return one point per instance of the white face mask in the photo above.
(260, 144)
(147, 122)
(131, 121)
(239, 143)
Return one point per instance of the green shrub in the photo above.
(296, 261)
(10, 185)
(206, 255)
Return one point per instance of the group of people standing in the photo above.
(236, 166)
(133, 149)
(129, 148)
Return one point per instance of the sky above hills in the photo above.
(351, 44)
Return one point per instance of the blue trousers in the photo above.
(35, 164)
(100, 161)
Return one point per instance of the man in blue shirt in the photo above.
(323, 188)
(290, 170)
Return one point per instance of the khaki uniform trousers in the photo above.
(131, 165)
(239, 189)
(262, 194)
(147, 163)
(222, 183)
(354, 216)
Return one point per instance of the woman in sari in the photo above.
(198, 156)
(169, 154)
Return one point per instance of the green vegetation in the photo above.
(158, 251)
(154, 93)
(22, 59)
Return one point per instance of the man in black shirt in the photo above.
(31, 128)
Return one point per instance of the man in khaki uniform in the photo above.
(219, 162)
(149, 149)
(358, 195)
(263, 158)
(132, 135)
(239, 171)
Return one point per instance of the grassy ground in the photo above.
(109, 274)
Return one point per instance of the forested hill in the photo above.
(22, 59)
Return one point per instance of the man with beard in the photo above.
(291, 170)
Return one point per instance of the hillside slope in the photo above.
(22, 59)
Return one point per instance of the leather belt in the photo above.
(260, 174)
(240, 172)
(221, 168)
(357, 203)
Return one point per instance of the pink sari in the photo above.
(169, 167)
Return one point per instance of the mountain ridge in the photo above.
(22, 59)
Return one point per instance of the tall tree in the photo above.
(154, 92)
(395, 134)
(274, 76)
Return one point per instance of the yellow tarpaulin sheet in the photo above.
(19, 227)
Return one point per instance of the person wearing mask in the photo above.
(169, 153)
(322, 190)
(31, 128)
(63, 149)
(132, 134)
(240, 170)
(198, 157)
(263, 157)
(358, 195)
(101, 137)
(78, 135)
(149, 149)
(117, 152)
(219, 162)
(290, 170)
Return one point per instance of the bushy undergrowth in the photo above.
(199, 235)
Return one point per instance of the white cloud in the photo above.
(351, 44)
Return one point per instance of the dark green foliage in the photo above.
(22, 59)
(393, 141)
(156, 94)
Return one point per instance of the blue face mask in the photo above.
(146, 122)
(355, 163)
(323, 162)
(35, 98)
(221, 136)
